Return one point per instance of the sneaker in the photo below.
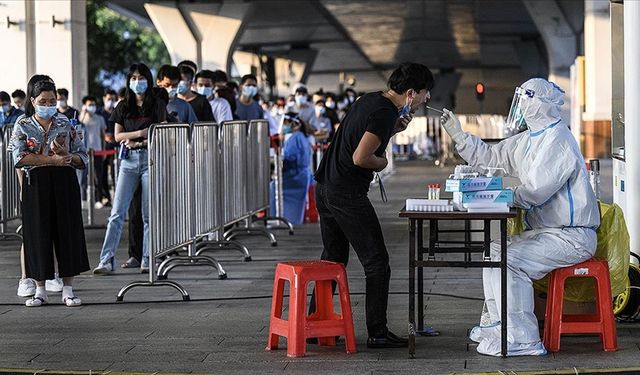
(98, 205)
(131, 263)
(26, 287)
(103, 269)
(54, 285)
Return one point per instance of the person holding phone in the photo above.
(47, 148)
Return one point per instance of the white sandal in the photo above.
(36, 301)
(72, 301)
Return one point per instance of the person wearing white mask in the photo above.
(94, 134)
(320, 123)
(246, 107)
(561, 210)
(303, 108)
(168, 78)
(219, 107)
(199, 103)
(63, 106)
(18, 97)
(8, 113)
(109, 100)
(133, 116)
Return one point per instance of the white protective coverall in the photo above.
(561, 212)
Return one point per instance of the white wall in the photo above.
(14, 65)
(597, 38)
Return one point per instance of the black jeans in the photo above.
(136, 226)
(351, 219)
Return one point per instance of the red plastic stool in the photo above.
(602, 322)
(324, 324)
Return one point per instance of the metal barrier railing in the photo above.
(208, 191)
(256, 176)
(233, 144)
(11, 209)
(171, 194)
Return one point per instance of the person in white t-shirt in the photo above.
(219, 106)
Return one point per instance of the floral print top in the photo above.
(29, 137)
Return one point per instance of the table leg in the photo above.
(420, 277)
(503, 282)
(467, 239)
(412, 288)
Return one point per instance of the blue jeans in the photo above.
(133, 169)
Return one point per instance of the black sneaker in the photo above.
(388, 341)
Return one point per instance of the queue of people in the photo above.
(182, 93)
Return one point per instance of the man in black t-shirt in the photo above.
(344, 175)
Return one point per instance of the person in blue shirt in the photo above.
(296, 174)
(247, 108)
(168, 78)
(8, 113)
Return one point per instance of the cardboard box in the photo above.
(474, 184)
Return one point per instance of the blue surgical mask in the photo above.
(406, 109)
(91, 109)
(45, 112)
(172, 91)
(183, 87)
(301, 99)
(206, 91)
(139, 87)
(5, 108)
(320, 111)
(249, 91)
(286, 129)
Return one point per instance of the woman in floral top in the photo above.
(47, 148)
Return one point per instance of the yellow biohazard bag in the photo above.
(613, 245)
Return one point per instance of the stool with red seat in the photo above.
(324, 324)
(602, 322)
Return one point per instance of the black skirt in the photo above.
(52, 219)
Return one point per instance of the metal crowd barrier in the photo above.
(208, 191)
(11, 208)
(250, 171)
(171, 196)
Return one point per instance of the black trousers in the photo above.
(136, 226)
(52, 221)
(351, 219)
(103, 177)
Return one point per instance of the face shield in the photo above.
(515, 122)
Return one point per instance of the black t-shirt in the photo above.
(202, 108)
(371, 113)
(134, 123)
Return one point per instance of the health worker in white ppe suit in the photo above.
(561, 211)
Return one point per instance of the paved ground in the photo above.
(224, 328)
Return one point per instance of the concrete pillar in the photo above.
(174, 30)
(217, 27)
(561, 44)
(596, 125)
(295, 66)
(245, 63)
(61, 45)
(632, 119)
(19, 40)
